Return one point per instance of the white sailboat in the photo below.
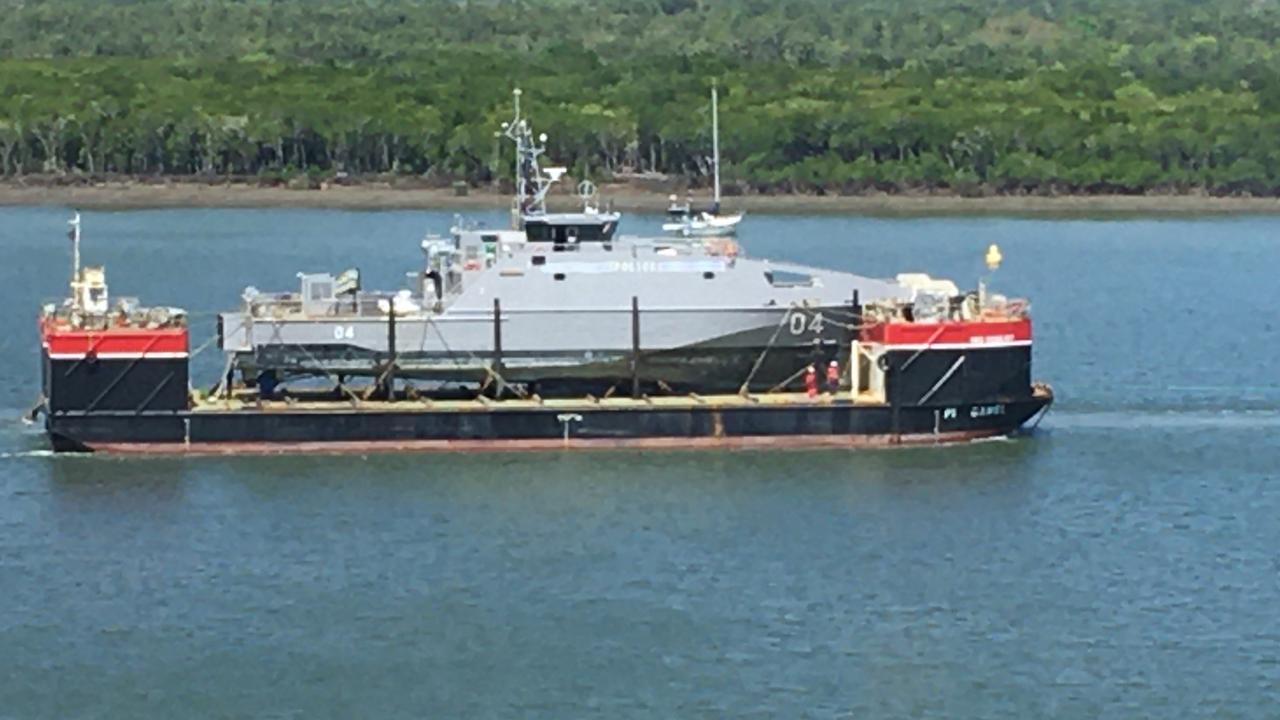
(706, 223)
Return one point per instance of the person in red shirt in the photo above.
(833, 377)
(811, 381)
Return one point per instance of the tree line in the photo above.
(1066, 96)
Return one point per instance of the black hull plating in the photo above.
(115, 385)
(935, 396)
(801, 422)
(956, 376)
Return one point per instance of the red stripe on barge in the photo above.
(977, 333)
(115, 342)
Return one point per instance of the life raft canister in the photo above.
(723, 246)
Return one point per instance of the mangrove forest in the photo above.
(816, 96)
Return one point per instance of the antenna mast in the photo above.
(513, 132)
(532, 182)
(75, 257)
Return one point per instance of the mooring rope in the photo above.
(789, 379)
(488, 367)
(204, 346)
(275, 334)
(782, 322)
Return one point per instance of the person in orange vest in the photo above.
(811, 381)
(833, 377)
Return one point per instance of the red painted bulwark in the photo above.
(121, 342)
(974, 333)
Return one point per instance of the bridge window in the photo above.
(321, 291)
(785, 278)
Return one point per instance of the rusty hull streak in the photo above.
(344, 447)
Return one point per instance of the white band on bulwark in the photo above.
(120, 356)
(959, 346)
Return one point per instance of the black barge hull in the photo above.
(782, 421)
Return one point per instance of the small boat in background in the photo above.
(683, 219)
(703, 224)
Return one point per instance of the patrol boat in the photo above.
(497, 309)
(561, 318)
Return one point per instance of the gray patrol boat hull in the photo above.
(679, 315)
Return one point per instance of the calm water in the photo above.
(1120, 564)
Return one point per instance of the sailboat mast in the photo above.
(715, 139)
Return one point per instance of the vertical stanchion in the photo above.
(855, 348)
(635, 347)
(497, 346)
(389, 376)
(895, 410)
(852, 335)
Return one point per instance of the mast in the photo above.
(532, 180)
(75, 258)
(715, 142)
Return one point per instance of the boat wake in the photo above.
(993, 439)
(1163, 419)
(26, 454)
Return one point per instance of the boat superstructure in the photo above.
(99, 356)
(533, 182)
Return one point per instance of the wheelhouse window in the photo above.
(787, 278)
(321, 291)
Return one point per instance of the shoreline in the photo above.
(126, 195)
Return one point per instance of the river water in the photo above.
(1121, 563)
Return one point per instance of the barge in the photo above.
(239, 426)
(939, 368)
